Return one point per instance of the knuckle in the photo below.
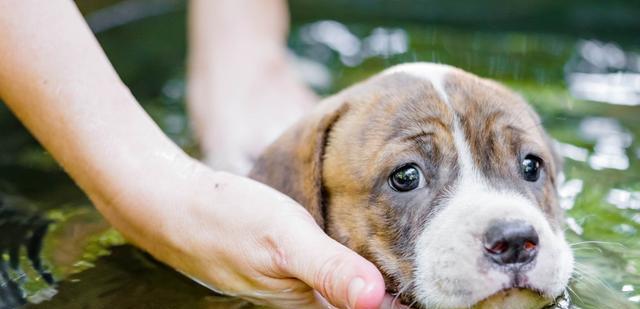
(278, 257)
(326, 274)
(274, 243)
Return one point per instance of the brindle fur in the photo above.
(336, 161)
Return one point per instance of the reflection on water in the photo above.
(568, 191)
(596, 140)
(572, 152)
(611, 140)
(624, 199)
(615, 88)
(604, 72)
(385, 42)
(574, 226)
(333, 35)
(381, 42)
(314, 73)
(128, 278)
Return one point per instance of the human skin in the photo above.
(242, 92)
(233, 234)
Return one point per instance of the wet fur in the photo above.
(336, 162)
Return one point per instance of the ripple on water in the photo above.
(611, 142)
(604, 72)
(624, 199)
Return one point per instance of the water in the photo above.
(596, 129)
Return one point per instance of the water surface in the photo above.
(586, 89)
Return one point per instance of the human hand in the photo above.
(244, 239)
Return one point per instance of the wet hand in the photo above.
(244, 239)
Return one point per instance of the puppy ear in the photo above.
(293, 163)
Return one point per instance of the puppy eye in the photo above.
(531, 166)
(406, 178)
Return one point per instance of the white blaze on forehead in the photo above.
(433, 72)
(436, 74)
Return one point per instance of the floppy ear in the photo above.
(293, 163)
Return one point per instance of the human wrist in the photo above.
(148, 204)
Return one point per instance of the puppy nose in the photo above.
(511, 242)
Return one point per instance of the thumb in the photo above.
(341, 276)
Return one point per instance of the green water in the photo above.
(96, 268)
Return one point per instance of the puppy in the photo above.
(444, 180)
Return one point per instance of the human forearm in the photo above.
(239, 66)
(258, 27)
(56, 79)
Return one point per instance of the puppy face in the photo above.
(444, 180)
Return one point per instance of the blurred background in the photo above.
(576, 62)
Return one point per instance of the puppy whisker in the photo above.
(571, 291)
(597, 242)
(591, 277)
(599, 250)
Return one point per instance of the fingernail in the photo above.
(355, 288)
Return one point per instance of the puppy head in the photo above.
(444, 180)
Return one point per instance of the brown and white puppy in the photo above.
(444, 180)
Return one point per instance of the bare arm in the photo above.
(56, 79)
(234, 234)
(238, 65)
